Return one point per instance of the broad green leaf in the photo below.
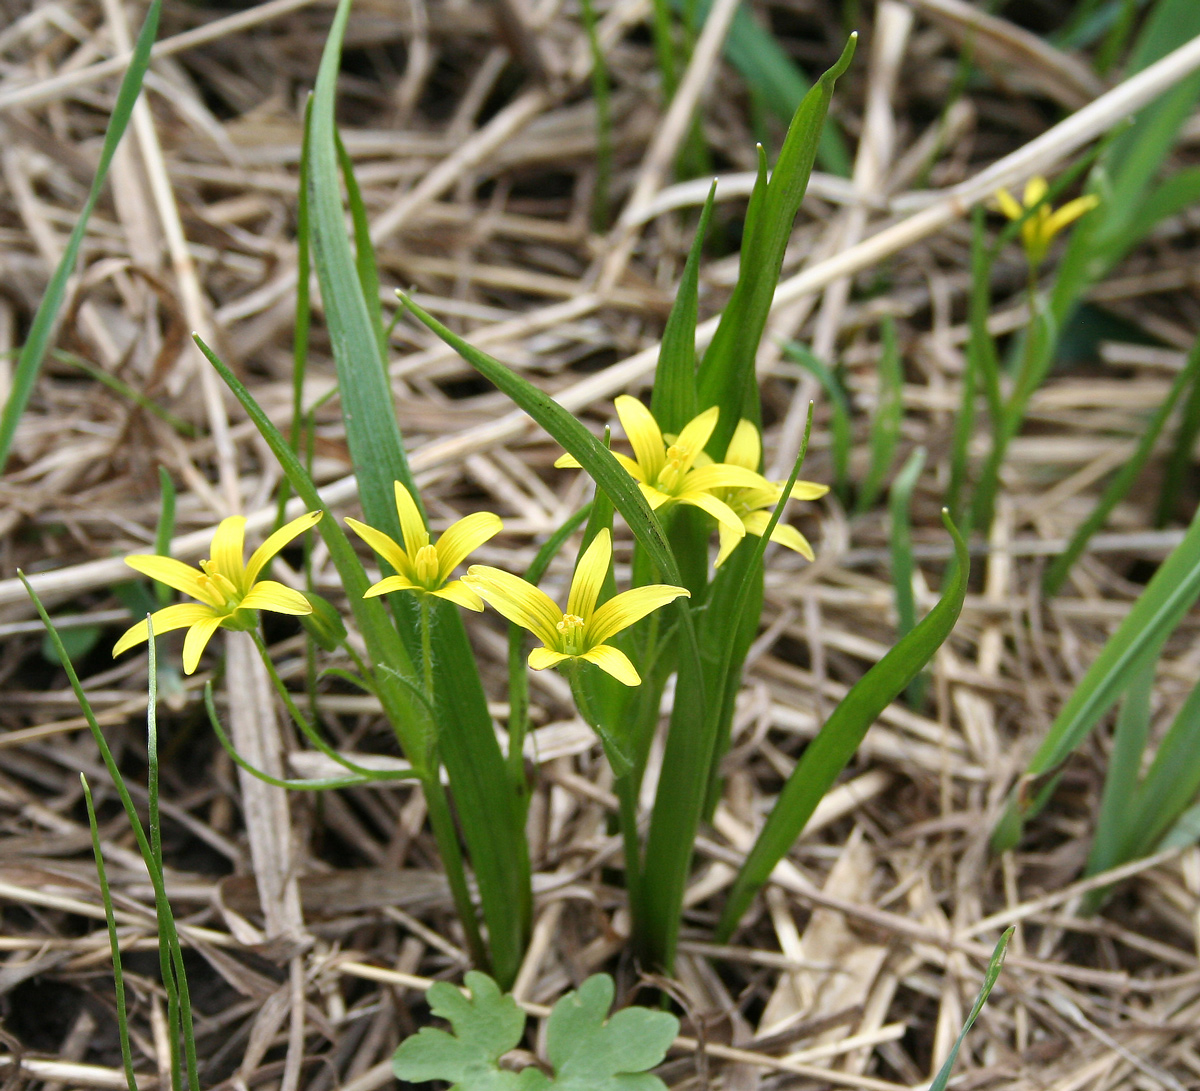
(674, 399)
(1167, 598)
(727, 373)
(488, 807)
(33, 352)
(827, 755)
(591, 1054)
(985, 990)
(485, 1025)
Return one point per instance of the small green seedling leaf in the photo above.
(486, 1025)
(589, 1054)
(586, 1052)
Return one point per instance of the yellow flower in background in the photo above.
(581, 632)
(227, 588)
(678, 472)
(1039, 230)
(422, 567)
(753, 506)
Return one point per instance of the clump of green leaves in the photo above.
(587, 1052)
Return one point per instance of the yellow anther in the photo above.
(427, 565)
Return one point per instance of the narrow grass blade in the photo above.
(488, 808)
(885, 424)
(601, 95)
(985, 990)
(114, 943)
(727, 374)
(1056, 575)
(165, 530)
(171, 954)
(364, 249)
(1114, 821)
(835, 744)
(1167, 598)
(674, 400)
(900, 513)
(33, 352)
(1180, 463)
(839, 409)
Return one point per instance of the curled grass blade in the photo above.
(835, 744)
(991, 975)
(33, 352)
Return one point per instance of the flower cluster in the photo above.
(669, 470)
(1041, 222)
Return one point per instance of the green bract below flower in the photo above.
(581, 632)
(229, 590)
(668, 473)
(424, 568)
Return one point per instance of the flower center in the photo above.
(427, 567)
(572, 628)
(670, 477)
(221, 586)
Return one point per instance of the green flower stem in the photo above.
(426, 649)
(309, 731)
(625, 784)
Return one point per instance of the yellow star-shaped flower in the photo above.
(228, 589)
(753, 505)
(581, 632)
(678, 472)
(422, 567)
(1039, 230)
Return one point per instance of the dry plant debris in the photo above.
(475, 148)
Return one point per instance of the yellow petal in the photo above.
(631, 467)
(228, 545)
(806, 490)
(412, 526)
(615, 662)
(519, 601)
(696, 434)
(720, 475)
(197, 638)
(654, 497)
(269, 595)
(729, 542)
(644, 434)
(384, 546)
(567, 462)
(745, 449)
(389, 584)
(541, 658)
(1008, 205)
(589, 576)
(718, 509)
(1035, 189)
(629, 607)
(176, 574)
(459, 593)
(463, 538)
(165, 621)
(1069, 212)
(277, 541)
(784, 534)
